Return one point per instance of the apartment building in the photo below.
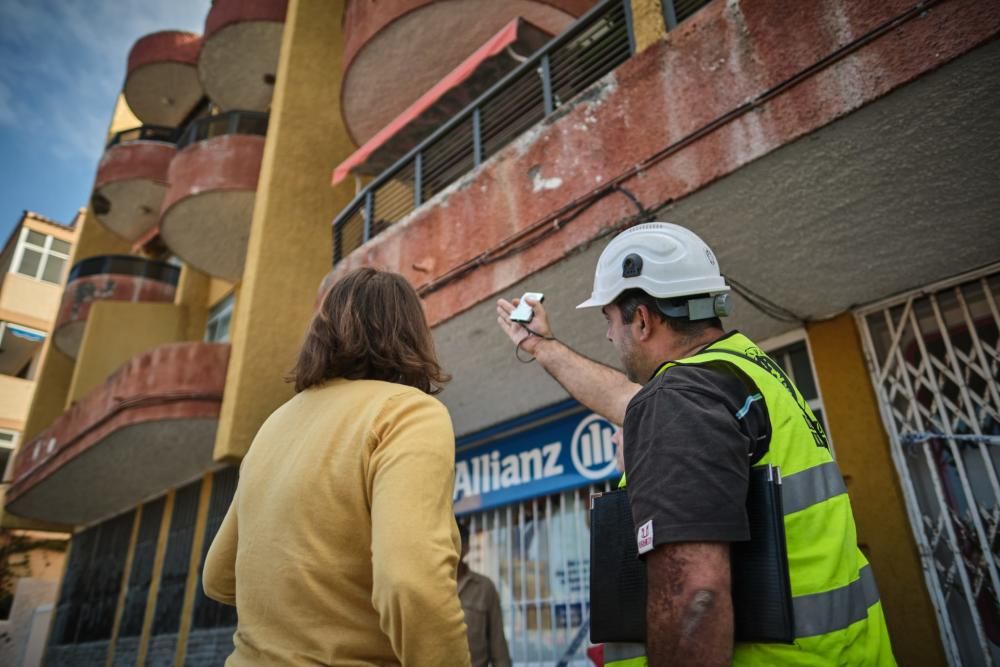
(838, 156)
(33, 267)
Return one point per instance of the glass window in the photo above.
(41, 256)
(217, 328)
(30, 261)
(53, 269)
(35, 238)
(60, 246)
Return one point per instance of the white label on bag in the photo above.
(645, 537)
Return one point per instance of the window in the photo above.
(791, 351)
(217, 328)
(41, 256)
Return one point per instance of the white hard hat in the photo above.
(662, 259)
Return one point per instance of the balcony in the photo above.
(398, 44)
(205, 219)
(547, 81)
(239, 52)
(108, 278)
(161, 84)
(132, 179)
(149, 427)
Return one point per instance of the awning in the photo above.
(490, 63)
(34, 335)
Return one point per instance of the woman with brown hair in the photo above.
(340, 547)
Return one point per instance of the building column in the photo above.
(289, 249)
(862, 449)
(194, 565)
(648, 24)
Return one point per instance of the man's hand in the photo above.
(519, 333)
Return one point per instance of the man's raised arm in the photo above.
(601, 388)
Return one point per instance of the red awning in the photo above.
(451, 94)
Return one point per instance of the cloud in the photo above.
(65, 64)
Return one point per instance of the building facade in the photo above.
(33, 267)
(837, 155)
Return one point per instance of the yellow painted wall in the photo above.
(862, 449)
(117, 331)
(192, 293)
(122, 118)
(289, 249)
(218, 289)
(56, 369)
(15, 399)
(29, 300)
(648, 23)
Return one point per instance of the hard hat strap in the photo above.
(701, 308)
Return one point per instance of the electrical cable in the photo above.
(517, 349)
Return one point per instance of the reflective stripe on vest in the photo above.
(823, 613)
(811, 486)
(624, 654)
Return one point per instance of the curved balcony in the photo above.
(149, 427)
(132, 179)
(397, 44)
(161, 84)
(108, 278)
(239, 52)
(207, 210)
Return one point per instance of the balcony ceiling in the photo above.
(239, 53)
(398, 50)
(209, 205)
(156, 415)
(130, 184)
(501, 54)
(161, 86)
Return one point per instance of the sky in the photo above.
(63, 67)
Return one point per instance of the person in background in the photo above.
(483, 618)
(340, 545)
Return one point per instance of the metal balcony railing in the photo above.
(230, 122)
(594, 45)
(675, 11)
(128, 265)
(143, 133)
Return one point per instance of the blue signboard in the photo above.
(561, 447)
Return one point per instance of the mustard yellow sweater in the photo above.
(340, 546)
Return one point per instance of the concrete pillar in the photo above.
(289, 248)
(192, 294)
(648, 23)
(862, 449)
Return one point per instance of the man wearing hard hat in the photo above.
(700, 407)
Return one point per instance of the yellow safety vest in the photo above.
(836, 608)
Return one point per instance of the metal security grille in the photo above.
(90, 587)
(538, 555)
(593, 46)
(177, 560)
(934, 356)
(141, 574)
(207, 612)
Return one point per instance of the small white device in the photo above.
(523, 312)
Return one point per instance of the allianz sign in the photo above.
(512, 462)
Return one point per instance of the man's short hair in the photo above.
(628, 303)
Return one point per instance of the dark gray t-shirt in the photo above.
(691, 435)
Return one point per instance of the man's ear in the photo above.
(644, 320)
